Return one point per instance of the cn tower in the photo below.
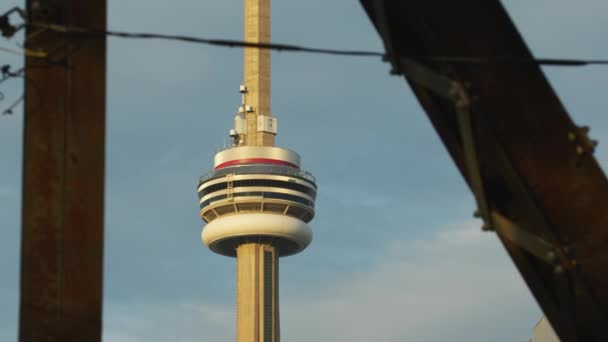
(256, 201)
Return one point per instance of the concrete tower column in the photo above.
(257, 264)
(257, 293)
(257, 70)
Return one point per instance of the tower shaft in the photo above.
(257, 70)
(257, 264)
(257, 293)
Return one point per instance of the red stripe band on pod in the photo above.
(256, 161)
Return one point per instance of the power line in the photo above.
(200, 40)
(297, 48)
(8, 30)
(5, 74)
(9, 109)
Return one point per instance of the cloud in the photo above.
(451, 286)
(456, 285)
(180, 321)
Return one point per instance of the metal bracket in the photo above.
(455, 92)
(580, 138)
(534, 245)
(6, 28)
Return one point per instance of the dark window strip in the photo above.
(259, 182)
(268, 300)
(274, 195)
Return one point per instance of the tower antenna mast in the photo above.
(256, 72)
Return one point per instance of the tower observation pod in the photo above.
(257, 201)
(257, 194)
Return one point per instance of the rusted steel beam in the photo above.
(63, 176)
(536, 166)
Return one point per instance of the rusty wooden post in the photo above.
(63, 176)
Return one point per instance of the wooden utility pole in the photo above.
(63, 175)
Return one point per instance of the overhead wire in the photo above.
(5, 74)
(201, 40)
(305, 49)
(9, 30)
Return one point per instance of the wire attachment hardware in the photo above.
(9, 30)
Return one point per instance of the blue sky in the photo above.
(396, 254)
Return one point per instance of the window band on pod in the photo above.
(270, 195)
(259, 182)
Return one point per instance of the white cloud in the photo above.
(443, 288)
(457, 285)
(180, 321)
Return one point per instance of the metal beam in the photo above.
(517, 148)
(63, 176)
